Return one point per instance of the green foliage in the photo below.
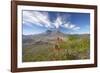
(72, 48)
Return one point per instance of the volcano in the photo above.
(45, 36)
(54, 33)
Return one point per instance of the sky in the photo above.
(36, 22)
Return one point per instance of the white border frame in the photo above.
(52, 63)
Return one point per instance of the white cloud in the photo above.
(58, 22)
(66, 25)
(42, 19)
(29, 18)
(37, 18)
(71, 26)
(76, 28)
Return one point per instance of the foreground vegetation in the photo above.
(72, 48)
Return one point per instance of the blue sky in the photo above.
(35, 22)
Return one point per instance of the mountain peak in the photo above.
(54, 33)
